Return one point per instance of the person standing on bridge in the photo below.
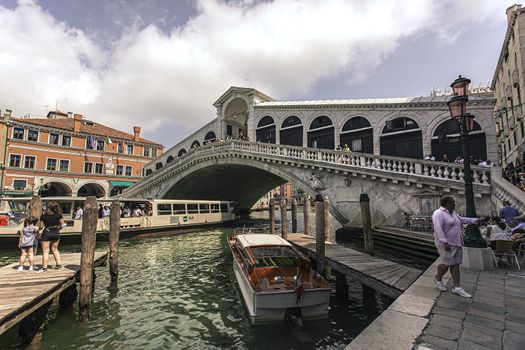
(448, 238)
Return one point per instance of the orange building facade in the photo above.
(68, 155)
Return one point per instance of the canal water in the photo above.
(179, 292)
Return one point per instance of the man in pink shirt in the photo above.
(448, 238)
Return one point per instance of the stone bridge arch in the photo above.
(240, 179)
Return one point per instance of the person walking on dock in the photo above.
(27, 241)
(449, 243)
(52, 222)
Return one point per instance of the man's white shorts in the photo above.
(454, 257)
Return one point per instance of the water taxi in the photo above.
(276, 280)
(137, 215)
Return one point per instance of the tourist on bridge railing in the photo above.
(458, 160)
(445, 159)
(448, 238)
(346, 148)
(338, 148)
(430, 157)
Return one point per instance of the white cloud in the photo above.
(282, 48)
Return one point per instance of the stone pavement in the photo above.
(493, 319)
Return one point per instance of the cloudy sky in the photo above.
(161, 64)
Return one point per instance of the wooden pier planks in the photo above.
(23, 292)
(388, 277)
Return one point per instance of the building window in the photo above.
(100, 145)
(357, 145)
(129, 170)
(90, 142)
(14, 160)
(64, 165)
(120, 148)
(154, 152)
(51, 164)
(53, 139)
(130, 149)
(120, 169)
(66, 140)
(19, 184)
(146, 151)
(18, 133)
(29, 162)
(88, 167)
(99, 168)
(32, 135)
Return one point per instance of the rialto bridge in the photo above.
(295, 141)
(243, 171)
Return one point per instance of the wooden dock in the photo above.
(387, 277)
(23, 292)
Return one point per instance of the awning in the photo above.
(121, 183)
(15, 193)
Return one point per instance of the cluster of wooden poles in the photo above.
(87, 257)
(322, 222)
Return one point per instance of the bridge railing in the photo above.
(505, 190)
(429, 169)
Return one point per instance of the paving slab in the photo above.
(443, 332)
(467, 345)
(482, 335)
(437, 343)
(513, 341)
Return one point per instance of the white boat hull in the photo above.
(271, 306)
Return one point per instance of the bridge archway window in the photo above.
(149, 172)
(445, 140)
(321, 133)
(358, 134)
(210, 137)
(182, 152)
(401, 137)
(265, 131)
(169, 159)
(291, 132)
(195, 144)
(158, 166)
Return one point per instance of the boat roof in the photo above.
(254, 240)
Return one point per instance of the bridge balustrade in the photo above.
(419, 167)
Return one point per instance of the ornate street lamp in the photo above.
(458, 111)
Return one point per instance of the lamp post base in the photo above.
(473, 237)
(479, 259)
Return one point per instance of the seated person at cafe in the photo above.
(497, 230)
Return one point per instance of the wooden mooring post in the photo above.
(284, 218)
(271, 209)
(294, 215)
(114, 233)
(307, 208)
(320, 234)
(329, 236)
(367, 223)
(89, 230)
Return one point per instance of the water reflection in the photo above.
(178, 292)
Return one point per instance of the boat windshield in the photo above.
(275, 256)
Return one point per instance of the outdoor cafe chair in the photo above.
(504, 248)
(521, 249)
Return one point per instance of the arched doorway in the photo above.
(195, 144)
(401, 137)
(182, 152)
(169, 159)
(451, 145)
(236, 118)
(265, 131)
(358, 134)
(321, 133)
(91, 189)
(291, 132)
(210, 137)
(55, 189)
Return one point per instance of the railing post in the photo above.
(294, 215)
(418, 168)
(307, 212)
(284, 219)
(271, 209)
(367, 223)
(87, 256)
(320, 234)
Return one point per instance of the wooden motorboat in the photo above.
(276, 280)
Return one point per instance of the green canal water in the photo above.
(179, 292)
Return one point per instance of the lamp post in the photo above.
(458, 112)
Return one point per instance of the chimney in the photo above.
(7, 113)
(70, 114)
(136, 133)
(77, 122)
